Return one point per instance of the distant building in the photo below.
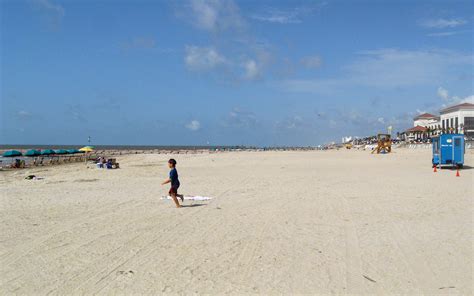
(346, 140)
(458, 119)
(416, 134)
(426, 120)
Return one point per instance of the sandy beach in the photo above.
(319, 222)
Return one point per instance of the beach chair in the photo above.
(15, 164)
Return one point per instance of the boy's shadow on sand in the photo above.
(193, 205)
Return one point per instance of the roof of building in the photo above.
(425, 116)
(417, 128)
(458, 107)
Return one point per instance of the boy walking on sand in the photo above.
(173, 179)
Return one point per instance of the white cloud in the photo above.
(447, 33)
(282, 19)
(252, 70)
(235, 53)
(290, 123)
(23, 113)
(468, 99)
(278, 16)
(441, 23)
(393, 67)
(54, 12)
(381, 120)
(203, 58)
(311, 62)
(387, 68)
(194, 125)
(238, 118)
(214, 15)
(286, 16)
(205, 13)
(294, 122)
(209, 59)
(443, 93)
(453, 100)
(50, 6)
(261, 60)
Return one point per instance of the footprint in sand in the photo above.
(85, 180)
(125, 272)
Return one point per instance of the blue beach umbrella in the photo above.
(32, 152)
(12, 153)
(47, 152)
(60, 151)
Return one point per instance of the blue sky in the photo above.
(227, 72)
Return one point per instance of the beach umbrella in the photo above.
(47, 152)
(73, 151)
(87, 149)
(60, 151)
(32, 152)
(12, 153)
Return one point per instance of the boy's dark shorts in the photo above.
(173, 190)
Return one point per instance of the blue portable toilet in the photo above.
(448, 149)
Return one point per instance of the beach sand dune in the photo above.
(279, 222)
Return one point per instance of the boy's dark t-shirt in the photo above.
(174, 178)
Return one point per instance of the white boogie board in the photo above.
(191, 197)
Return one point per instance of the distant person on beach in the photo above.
(173, 179)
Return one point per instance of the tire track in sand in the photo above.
(22, 250)
(100, 274)
(354, 274)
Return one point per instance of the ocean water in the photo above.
(115, 147)
(6, 161)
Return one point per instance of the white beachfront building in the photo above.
(458, 119)
(424, 125)
(427, 120)
(454, 119)
(416, 133)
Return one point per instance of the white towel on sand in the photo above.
(191, 197)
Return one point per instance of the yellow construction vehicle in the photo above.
(384, 144)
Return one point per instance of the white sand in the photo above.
(280, 222)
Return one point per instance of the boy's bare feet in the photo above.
(176, 202)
